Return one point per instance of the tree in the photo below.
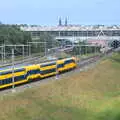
(47, 41)
(11, 34)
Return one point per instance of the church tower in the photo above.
(60, 22)
(66, 22)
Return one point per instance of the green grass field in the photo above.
(90, 95)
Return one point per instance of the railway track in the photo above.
(30, 61)
(84, 64)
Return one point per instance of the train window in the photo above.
(3, 82)
(48, 64)
(10, 80)
(19, 70)
(60, 65)
(10, 71)
(19, 78)
(69, 61)
(31, 72)
(7, 81)
(0, 82)
(48, 71)
(6, 72)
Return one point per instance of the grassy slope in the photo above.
(91, 95)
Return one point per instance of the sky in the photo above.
(47, 12)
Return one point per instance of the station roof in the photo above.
(68, 28)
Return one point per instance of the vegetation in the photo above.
(90, 95)
(81, 49)
(12, 35)
(44, 41)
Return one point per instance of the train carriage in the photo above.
(6, 77)
(48, 69)
(31, 72)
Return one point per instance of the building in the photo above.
(76, 32)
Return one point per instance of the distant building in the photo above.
(101, 43)
(60, 22)
(66, 22)
(76, 32)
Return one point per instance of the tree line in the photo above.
(13, 35)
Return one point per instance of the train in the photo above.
(28, 73)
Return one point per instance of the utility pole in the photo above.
(4, 52)
(23, 53)
(56, 70)
(80, 50)
(29, 50)
(45, 49)
(2, 47)
(40, 43)
(95, 49)
(13, 86)
(15, 46)
(86, 49)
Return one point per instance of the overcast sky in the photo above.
(47, 12)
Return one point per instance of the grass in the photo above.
(90, 95)
(87, 55)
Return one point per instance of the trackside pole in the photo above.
(57, 76)
(57, 73)
(13, 86)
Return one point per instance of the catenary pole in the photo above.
(13, 86)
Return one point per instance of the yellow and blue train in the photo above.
(32, 72)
